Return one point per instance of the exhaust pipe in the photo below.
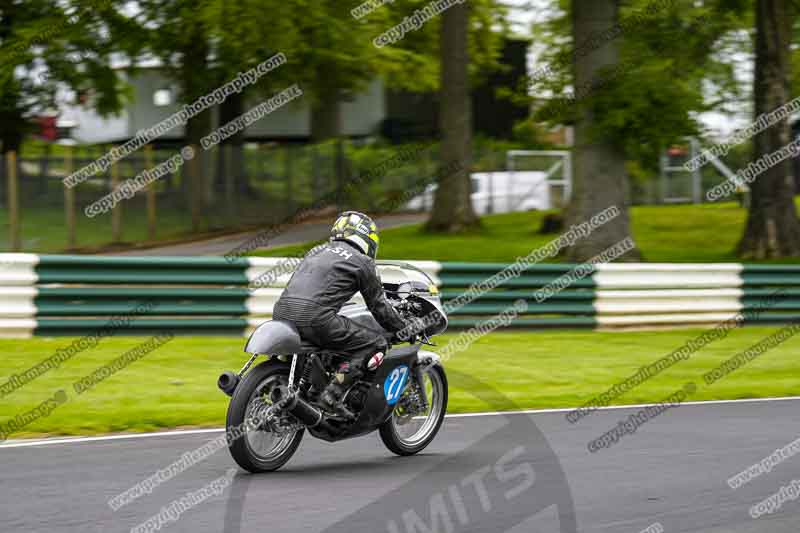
(296, 406)
(228, 382)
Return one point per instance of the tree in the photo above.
(72, 43)
(639, 75)
(237, 30)
(203, 44)
(599, 177)
(452, 207)
(178, 34)
(334, 58)
(470, 40)
(772, 229)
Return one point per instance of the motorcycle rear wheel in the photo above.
(260, 450)
(391, 431)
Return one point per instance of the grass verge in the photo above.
(175, 385)
(668, 233)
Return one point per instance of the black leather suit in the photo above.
(326, 279)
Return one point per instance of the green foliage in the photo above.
(671, 52)
(795, 56)
(203, 43)
(328, 50)
(46, 44)
(178, 35)
(338, 50)
(334, 52)
(531, 135)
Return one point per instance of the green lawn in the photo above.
(672, 233)
(175, 386)
(44, 229)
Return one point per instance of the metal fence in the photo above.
(261, 184)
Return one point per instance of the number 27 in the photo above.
(398, 378)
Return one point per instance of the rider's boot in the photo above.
(331, 397)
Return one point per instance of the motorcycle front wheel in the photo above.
(407, 434)
(261, 448)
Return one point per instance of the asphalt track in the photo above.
(296, 234)
(514, 472)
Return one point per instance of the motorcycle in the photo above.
(404, 398)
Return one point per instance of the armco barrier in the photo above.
(77, 295)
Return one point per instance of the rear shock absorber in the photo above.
(305, 378)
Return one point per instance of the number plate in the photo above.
(395, 383)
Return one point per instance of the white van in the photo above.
(500, 192)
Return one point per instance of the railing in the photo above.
(81, 295)
(629, 295)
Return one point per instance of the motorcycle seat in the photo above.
(309, 347)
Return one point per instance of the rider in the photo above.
(325, 280)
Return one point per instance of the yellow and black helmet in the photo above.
(357, 229)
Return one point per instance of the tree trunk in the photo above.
(772, 227)
(326, 117)
(232, 107)
(599, 175)
(452, 206)
(11, 137)
(194, 85)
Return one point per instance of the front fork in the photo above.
(425, 361)
(423, 394)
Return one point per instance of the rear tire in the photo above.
(438, 407)
(243, 449)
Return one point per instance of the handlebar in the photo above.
(407, 308)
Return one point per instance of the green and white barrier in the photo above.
(79, 295)
(631, 295)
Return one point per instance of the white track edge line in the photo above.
(616, 407)
(75, 440)
(180, 432)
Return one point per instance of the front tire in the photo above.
(260, 450)
(393, 432)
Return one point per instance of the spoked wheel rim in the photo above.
(262, 442)
(411, 429)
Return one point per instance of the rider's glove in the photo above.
(414, 327)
